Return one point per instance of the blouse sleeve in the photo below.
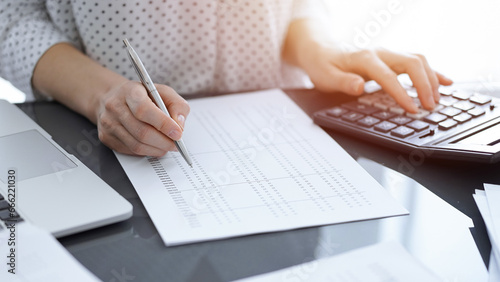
(309, 9)
(26, 33)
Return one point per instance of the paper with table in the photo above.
(382, 262)
(487, 203)
(259, 165)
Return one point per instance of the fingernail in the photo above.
(431, 102)
(174, 134)
(181, 120)
(437, 96)
(414, 109)
(355, 85)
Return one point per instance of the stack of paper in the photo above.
(487, 202)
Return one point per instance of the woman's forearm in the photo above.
(69, 76)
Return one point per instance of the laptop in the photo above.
(49, 187)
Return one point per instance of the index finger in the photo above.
(433, 77)
(377, 70)
(416, 68)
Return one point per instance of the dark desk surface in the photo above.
(133, 248)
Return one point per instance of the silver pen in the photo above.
(150, 87)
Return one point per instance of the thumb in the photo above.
(336, 80)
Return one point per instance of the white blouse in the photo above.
(194, 46)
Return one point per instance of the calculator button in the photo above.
(368, 100)
(385, 126)
(447, 124)
(437, 108)
(463, 117)
(480, 99)
(397, 110)
(352, 116)
(418, 125)
(476, 112)
(336, 112)
(461, 95)
(417, 102)
(447, 101)
(381, 105)
(435, 118)
(384, 115)
(388, 100)
(368, 121)
(464, 105)
(401, 120)
(445, 91)
(402, 132)
(412, 93)
(449, 111)
(421, 114)
(360, 108)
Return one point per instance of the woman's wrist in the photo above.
(304, 38)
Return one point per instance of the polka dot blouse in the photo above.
(194, 46)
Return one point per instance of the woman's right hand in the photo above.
(130, 122)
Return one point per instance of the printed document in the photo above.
(260, 164)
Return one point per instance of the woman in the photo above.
(71, 51)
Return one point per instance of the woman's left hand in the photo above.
(334, 67)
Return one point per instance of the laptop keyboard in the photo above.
(7, 215)
(381, 113)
